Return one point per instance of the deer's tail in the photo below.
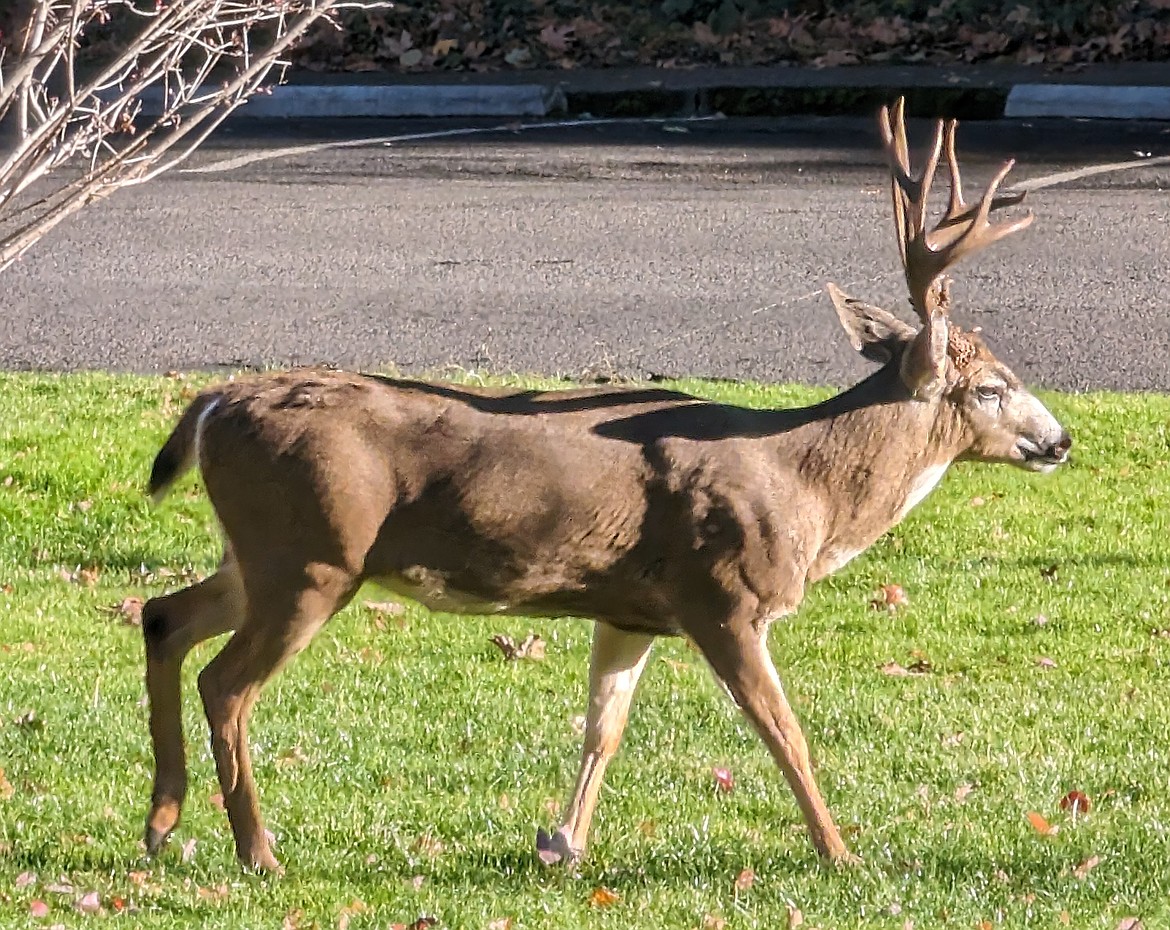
(181, 450)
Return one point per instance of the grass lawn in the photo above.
(404, 766)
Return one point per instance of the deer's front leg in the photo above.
(738, 654)
(615, 666)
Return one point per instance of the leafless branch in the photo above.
(86, 118)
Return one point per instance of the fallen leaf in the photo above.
(603, 897)
(118, 904)
(353, 909)
(390, 608)
(744, 880)
(130, 610)
(38, 909)
(724, 779)
(217, 801)
(648, 828)
(90, 903)
(411, 57)
(714, 922)
(6, 789)
(429, 846)
(24, 879)
(1076, 802)
(890, 597)
(500, 923)
(557, 38)
(531, 648)
(1045, 662)
(795, 917)
(1129, 923)
(1040, 825)
(1065, 918)
(444, 47)
(518, 57)
(1084, 868)
(187, 851)
(962, 792)
(417, 881)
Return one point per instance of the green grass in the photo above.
(406, 768)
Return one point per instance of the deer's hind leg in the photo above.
(285, 610)
(171, 626)
(615, 665)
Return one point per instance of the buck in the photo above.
(649, 511)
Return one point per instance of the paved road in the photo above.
(630, 249)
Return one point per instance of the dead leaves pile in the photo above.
(476, 36)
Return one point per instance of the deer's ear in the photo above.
(877, 334)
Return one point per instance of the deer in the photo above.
(648, 511)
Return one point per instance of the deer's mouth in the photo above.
(1043, 458)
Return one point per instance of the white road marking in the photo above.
(1061, 177)
(239, 161)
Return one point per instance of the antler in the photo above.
(962, 230)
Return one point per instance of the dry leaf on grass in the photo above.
(1076, 802)
(1040, 825)
(38, 909)
(603, 897)
(744, 880)
(724, 779)
(1082, 869)
(129, 609)
(531, 648)
(891, 597)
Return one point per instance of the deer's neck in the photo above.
(871, 455)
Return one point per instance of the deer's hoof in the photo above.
(155, 839)
(555, 849)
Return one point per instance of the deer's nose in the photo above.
(1059, 449)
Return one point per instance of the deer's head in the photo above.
(939, 363)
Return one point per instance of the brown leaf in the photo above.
(1129, 923)
(1040, 825)
(6, 789)
(891, 597)
(1065, 918)
(1076, 802)
(724, 779)
(962, 792)
(500, 923)
(90, 903)
(187, 851)
(429, 846)
(714, 922)
(795, 917)
(532, 647)
(216, 800)
(24, 879)
(129, 609)
(38, 909)
(557, 38)
(444, 47)
(704, 34)
(1045, 662)
(744, 880)
(603, 897)
(1082, 869)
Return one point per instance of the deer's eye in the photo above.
(988, 392)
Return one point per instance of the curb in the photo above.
(642, 99)
(1088, 101)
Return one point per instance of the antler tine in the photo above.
(910, 193)
(962, 230)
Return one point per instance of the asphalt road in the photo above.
(688, 249)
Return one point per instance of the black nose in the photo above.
(1061, 446)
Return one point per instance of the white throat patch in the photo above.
(923, 485)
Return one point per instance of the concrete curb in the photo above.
(1088, 101)
(772, 94)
